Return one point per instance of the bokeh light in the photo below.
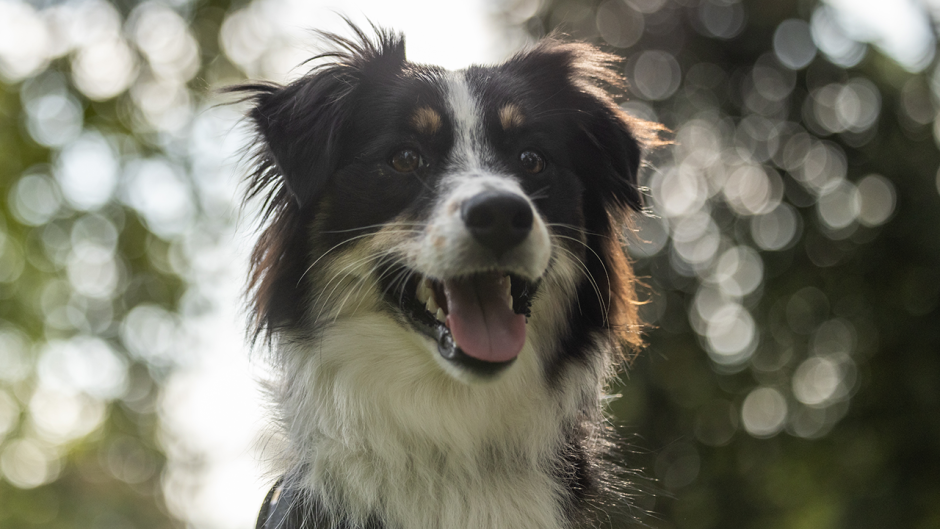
(87, 171)
(764, 412)
(619, 25)
(877, 199)
(656, 75)
(35, 198)
(25, 41)
(793, 44)
(777, 229)
(28, 463)
(832, 39)
(721, 18)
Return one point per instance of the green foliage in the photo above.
(80, 254)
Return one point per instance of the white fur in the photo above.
(469, 153)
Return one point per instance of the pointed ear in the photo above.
(301, 126)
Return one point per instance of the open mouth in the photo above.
(478, 320)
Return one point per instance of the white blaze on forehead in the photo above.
(449, 249)
(469, 148)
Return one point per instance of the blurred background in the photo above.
(790, 253)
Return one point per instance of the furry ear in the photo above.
(298, 146)
(614, 162)
(609, 141)
(616, 142)
(300, 126)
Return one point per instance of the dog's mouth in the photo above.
(477, 320)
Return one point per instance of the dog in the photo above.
(441, 281)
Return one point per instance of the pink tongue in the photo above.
(481, 319)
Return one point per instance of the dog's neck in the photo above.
(380, 430)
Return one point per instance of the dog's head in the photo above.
(460, 203)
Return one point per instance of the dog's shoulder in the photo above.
(288, 507)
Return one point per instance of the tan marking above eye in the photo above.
(426, 120)
(510, 116)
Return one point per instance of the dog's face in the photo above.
(459, 203)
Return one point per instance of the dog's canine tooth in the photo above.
(423, 292)
(440, 316)
(431, 304)
(507, 284)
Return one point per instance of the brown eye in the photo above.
(532, 162)
(405, 160)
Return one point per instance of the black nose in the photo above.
(498, 220)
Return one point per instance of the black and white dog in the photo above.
(442, 282)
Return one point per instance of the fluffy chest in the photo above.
(380, 430)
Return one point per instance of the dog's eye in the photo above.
(532, 162)
(406, 160)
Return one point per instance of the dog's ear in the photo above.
(608, 142)
(299, 144)
(611, 156)
(301, 125)
(611, 141)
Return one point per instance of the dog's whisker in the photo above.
(589, 277)
(577, 229)
(600, 261)
(339, 276)
(359, 275)
(384, 227)
(539, 193)
(324, 254)
(347, 241)
(364, 279)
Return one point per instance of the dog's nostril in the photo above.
(498, 220)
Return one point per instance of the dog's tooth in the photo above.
(506, 284)
(423, 292)
(431, 304)
(440, 316)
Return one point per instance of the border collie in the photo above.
(442, 284)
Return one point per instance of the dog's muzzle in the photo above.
(476, 306)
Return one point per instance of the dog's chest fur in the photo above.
(423, 451)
